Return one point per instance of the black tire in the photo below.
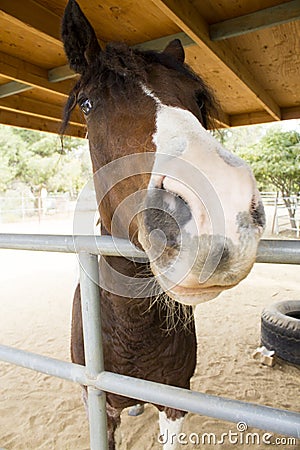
(280, 330)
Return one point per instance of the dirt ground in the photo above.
(41, 412)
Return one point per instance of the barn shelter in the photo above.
(247, 51)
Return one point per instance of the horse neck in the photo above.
(132, 270)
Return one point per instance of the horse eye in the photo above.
(86, 106)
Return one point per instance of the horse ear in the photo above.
(79, 38)
(175, 49)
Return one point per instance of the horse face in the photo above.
(161, 179)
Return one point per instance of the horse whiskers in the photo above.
(144, 274)
(143, 271)
(145, 287)
(174, 315)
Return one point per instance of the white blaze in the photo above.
(219, 189)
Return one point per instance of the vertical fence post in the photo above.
(91, 318)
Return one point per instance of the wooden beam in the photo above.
(12, 88)
(256, 117)
(37, 123)
(189, 19)
(223, 121)
(31, 14)
(251, 118)
(33, 107)
(61, 73)
(293, 112)
(27, 73)
(265, 18)
(161, 43)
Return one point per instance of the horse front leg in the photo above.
(170, 425)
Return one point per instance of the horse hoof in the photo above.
(136, 410)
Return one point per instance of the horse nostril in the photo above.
(166, 211)
(160, 222)
(258, 213)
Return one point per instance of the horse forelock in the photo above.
(121, 66)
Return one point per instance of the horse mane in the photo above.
(119, 64)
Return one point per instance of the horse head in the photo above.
(161, 178)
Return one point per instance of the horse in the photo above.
(166, 184)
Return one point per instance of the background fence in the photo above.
(282, 209)
(17, 206)
(22, 207)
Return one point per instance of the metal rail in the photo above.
(99, 381)
(269, 250)
(258, 416)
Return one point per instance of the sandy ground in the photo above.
(41, 412)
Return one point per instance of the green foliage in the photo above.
(10, 147)
(273, 155)
(38, 160)
(236, 138)
(275, 161)
(27, 136)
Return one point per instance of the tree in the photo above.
(275, 161)
(39, 160)
(10, 149)
(236, 138)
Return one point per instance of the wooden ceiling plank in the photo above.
(12, 88)
(27, 105)
(27, 73)
(264, 18)
(223, 121)
(188, 18)
(38, 123)
(31, 14)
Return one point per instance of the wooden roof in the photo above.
(247, 51)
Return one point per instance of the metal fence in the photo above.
(286, 215)
(99, 381)
(16, 206)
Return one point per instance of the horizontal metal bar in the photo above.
(44, 364)
(269, 250)
(277, 251)
(103, 245)
(258, 416)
